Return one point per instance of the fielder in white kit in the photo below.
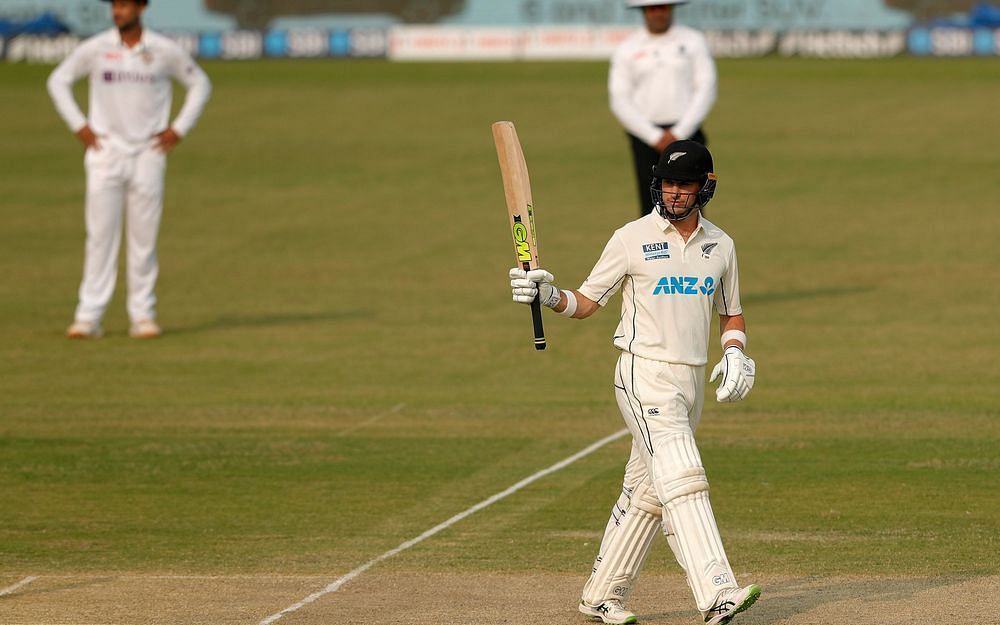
(127, 136)
(672, 266)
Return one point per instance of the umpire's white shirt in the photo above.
(668, 287)
(662, 79)
(130, 88)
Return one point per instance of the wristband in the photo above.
(738, 335)
(570, 304)
(555, 296)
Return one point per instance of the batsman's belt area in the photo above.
(479, 599)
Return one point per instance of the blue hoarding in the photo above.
(248, 29)
(88, 16)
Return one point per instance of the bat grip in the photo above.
(536, 317)
(536, 320)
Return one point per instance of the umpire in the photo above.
(662, 85)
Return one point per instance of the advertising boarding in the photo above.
(42, 30)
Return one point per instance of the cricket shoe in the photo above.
(731, 603)
(611, 612)
(145, 329)
(85, 330)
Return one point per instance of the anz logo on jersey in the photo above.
(685, 285)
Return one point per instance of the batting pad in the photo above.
(681, 484)
(635, 521)
(677, 468)
(699, 543)
(668, 533)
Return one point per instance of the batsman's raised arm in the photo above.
(527, 285)
(604, 280)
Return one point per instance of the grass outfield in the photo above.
(343, 370)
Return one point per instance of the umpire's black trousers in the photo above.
(645, 158)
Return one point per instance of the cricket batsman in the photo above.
(673, 267)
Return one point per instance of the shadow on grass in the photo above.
(273, 320)
(780, 297)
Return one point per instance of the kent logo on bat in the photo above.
(517, 190)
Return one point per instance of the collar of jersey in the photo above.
(666, 226)
(660, 36)
(139, 47)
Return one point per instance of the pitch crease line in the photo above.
(371, 420)
(21, 584)
(336, 585)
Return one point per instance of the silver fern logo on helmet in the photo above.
(683, 162)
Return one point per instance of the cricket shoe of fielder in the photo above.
(611, 612)
(145, 329)
(85, 330)
(731, 603)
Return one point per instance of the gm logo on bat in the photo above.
(521, 242)
(684, 285)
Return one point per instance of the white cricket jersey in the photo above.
(130, 88)
(668, 287)
(661, 80)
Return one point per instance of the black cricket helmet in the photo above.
(684, 161)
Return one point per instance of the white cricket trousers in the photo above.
(130, 186)
(657, 399)
(661, 403)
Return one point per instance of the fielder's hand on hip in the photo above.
(167, 140)
(525, 285)
(88, 138)
(738, 372)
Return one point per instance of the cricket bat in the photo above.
(517, 189)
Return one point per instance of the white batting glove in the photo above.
(525, 285)
(738, 372)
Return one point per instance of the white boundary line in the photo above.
(24, 582)
(358, 426)
(335, 586)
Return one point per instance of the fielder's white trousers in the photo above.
(127, 186)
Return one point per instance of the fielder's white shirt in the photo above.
(130, 88)
(668, 287)
(662, 79)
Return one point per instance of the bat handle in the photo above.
(536, 320)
